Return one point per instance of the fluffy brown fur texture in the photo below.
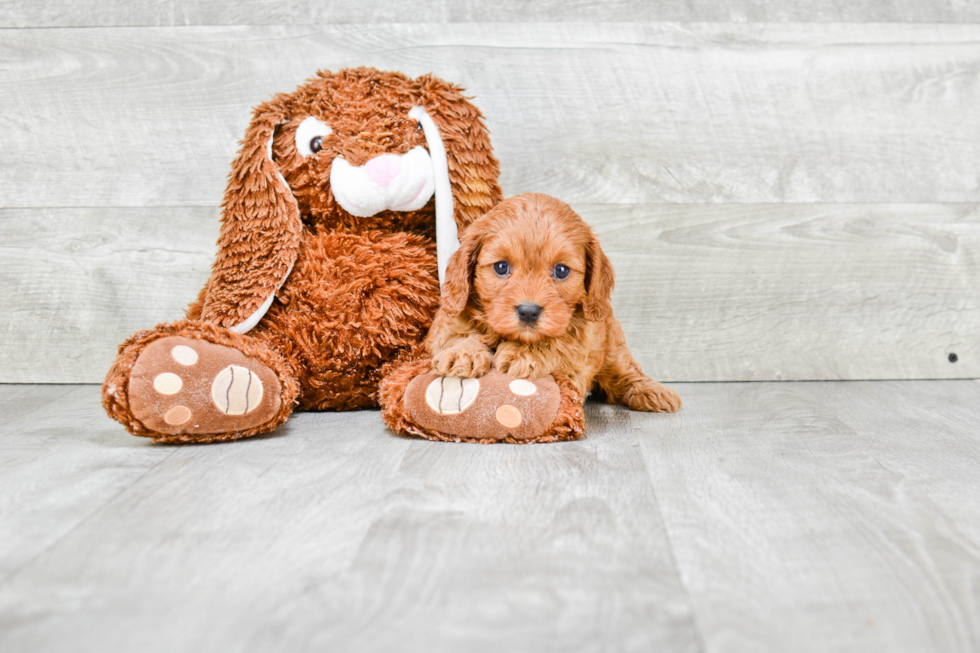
(512, 260)
(362, 291)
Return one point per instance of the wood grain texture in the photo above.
(61, 461)
(615, 119)
(547, 548)
(32, 13)
(611, 113)
(841, 516)
(824, 517)
(338, 535)
(704, 292)
(792, 292)
(76, 282)
(17, 400)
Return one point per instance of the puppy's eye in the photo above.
(562, 271)
(310, 135)
(502, 268)
(418, 126)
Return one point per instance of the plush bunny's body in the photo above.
(340, 209)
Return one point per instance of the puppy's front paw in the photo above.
(520, 363)
(652, 397)
(466, 359)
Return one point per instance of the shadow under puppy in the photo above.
(528, 294)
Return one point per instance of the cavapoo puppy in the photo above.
(528, 293)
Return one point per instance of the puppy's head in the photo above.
(527, 267)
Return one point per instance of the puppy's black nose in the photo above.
(529, 313)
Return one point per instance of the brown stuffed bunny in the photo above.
(341, 210)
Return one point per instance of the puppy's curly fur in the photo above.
(534, 253)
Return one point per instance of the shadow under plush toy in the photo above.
(341, 211)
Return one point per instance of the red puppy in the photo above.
(528, 292)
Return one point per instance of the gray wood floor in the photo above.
(836, 516)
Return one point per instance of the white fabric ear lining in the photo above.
(447, 234)
(249, 323)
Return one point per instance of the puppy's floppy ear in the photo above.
(459, 272)
(599, 282)
(260, 229)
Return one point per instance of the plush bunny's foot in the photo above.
(182, 388)
(491, 408)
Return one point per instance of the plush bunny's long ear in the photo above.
(260, 230)
(447, 234)
(464, 167)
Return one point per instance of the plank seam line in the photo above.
(585, 21)
(70, 389)
(25, 384)
(111, 207)
(695, 622)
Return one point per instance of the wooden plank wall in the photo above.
(786, 192)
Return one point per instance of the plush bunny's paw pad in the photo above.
(492, 408)
(187, 386)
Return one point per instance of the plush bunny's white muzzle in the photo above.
(387, 182)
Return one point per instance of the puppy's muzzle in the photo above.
(529, 313)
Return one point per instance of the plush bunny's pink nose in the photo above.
(382, 169)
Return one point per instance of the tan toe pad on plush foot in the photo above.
(494, 407)
(189, 386)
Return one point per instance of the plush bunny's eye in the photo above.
(310, 135)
